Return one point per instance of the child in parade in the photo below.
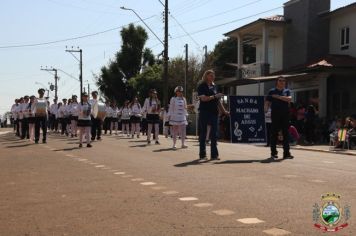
(125, 118)
(178, 116)
(152, 107)
(84, 120)
(135, 118)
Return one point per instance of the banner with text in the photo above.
(247, 119)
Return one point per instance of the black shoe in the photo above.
(92, 139)
(36, 142)
(148, 142)
(157, 143)
(288, 156)
(89, 145)
(274, 155)
(44, 141)
(98, 138)
(215, 158)
(203, 157)
(80, 145)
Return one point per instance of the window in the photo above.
(345, 38)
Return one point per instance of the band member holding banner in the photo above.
(40, 109)
(152, 108)
(178, 114)
(96, 122)
(84, 120)
(278, 100)
(209, 107)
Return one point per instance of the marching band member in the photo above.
(20, 116)
(62, 110)
(125, 118)
(96, 123)
(74, 111)
(135, 119)
(114, 118)
(107, 120)
(84, 120)
(40, 109)
(69, 117)
(25, 113)
(14, 117)
(178, 116)
(53, 118)
(167, 128)
(31, 118)
(152, 107)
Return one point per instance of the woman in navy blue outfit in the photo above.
(209, 107)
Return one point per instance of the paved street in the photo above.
(123, 187)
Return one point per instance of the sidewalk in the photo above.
(325, 148)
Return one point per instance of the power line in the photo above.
(226, 23)
(69, 39)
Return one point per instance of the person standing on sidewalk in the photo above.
(278, 100)
(209, 107)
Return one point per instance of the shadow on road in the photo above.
(190, 163)
(66, 149)
(141, 145)
(17, 146)
(164, 150)
(265, 161)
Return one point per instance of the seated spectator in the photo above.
(352, 132)
(293, 135)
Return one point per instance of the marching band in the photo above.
(33, 114)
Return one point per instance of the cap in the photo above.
(153, 91)
(26, 97)
(84, 94)
(41, 90)
(32, 96)
(64, 99)
(94, 92)
(178, 88)
(75, 96)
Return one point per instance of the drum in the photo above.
(99, 111)
(41, 109)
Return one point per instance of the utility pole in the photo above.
(88, 89)
(55, 81)
(80, 60)
(165, 55)
(205, 48)
(186, 70)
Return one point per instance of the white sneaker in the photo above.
(174, 147)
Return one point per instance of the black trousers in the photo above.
(25, 129)
(64, 122)
(96, 128)
(40, 122)
(280, 121)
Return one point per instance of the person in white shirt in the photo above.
(125, 118)
(63, 116)
(20, 116)
(178, 116)
(167, 128)
(84, 120)
(40, 109)
(152, 107)
(25, 113)
(114, 118)
(96, 128)
(31, 118)
(53, 118)
(107, 120)
(74, 112)
(14, 117)
(69, 117)
(135, 118)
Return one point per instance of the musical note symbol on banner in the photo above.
(237, 131)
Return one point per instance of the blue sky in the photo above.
(39, 21)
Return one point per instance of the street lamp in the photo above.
(165, 45)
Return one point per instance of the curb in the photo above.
(325, 151)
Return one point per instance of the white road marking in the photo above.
(137, 179)
(93, 163)
(148, 183)
(250, 221)
(204, 204)
(276, 232)
(184, 199)
(328, 162)
(119, 173)
(99, 166)
(82, 159)
(224, 212)
(317, 181)
(127, 176)
(290, 176)
(170, 192)
(70, 155)
(158, 188)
